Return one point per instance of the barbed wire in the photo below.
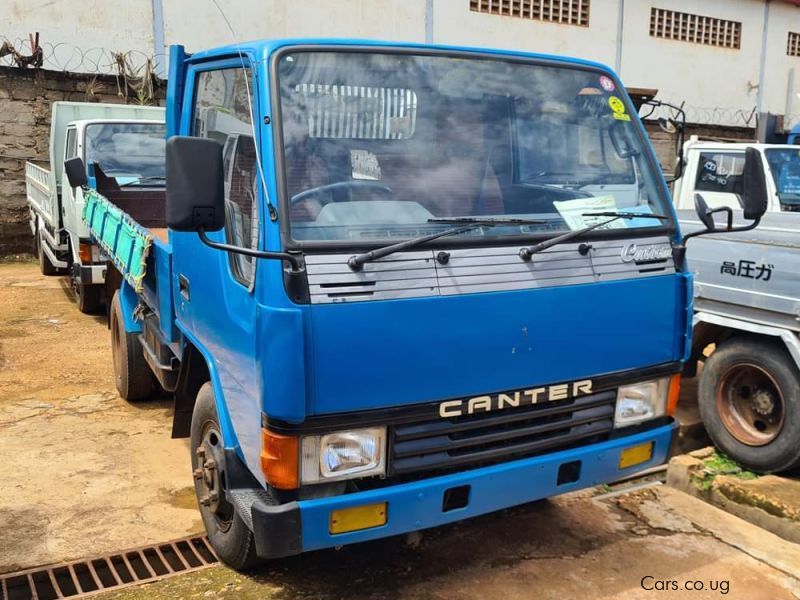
(63, 56)
(710, 115)
(133, 70)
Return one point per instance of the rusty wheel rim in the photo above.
(210, 478)
(750, 404)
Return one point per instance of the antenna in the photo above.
(273, 214)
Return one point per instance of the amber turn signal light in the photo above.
(85, 252)
(674, 392)
(279, 460)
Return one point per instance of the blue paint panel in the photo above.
(391, 353)
(418, 505)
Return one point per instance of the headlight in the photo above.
(343, 455)
(641, 402)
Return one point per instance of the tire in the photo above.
(45, 266)
(229, 535)
(749, 398)
(132, 375)
(89, 298)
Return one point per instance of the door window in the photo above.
(222, 113)
(720, 172)
(71, 150)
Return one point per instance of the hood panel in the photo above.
(379, 354)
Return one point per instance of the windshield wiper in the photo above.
(527, 252)
(356, 263)
(140, 180)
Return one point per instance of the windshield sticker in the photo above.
(619, 109)
(607, 84)
(572, 212)
(364, 165)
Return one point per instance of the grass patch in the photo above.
(719, 464)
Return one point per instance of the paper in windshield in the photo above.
(572, 212)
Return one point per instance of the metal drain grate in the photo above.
(81, 578)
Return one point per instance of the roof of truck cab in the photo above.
(734, 146)
(84, 122)
(264, 48)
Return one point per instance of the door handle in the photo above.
(183, 286)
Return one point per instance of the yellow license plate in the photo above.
(358, 517)
(635, 455)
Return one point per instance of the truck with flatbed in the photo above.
(123, 148)
(424, 283)
(747, 337)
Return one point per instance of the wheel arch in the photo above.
(710, 328)
(196, 369)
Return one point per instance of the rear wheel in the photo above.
(45, 266)
(229, 535)
(749, 397)
(132, 375)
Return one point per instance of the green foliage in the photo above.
(719, 464)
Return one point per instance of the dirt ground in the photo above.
(85, 473)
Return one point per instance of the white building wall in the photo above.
(708, 79)
(402, 20)
(783, 18)
(76, 35)
(718, 85)
(454, 23)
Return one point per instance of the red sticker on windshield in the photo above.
(607, 84)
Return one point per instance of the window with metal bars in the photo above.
(793, 44)
(697, 29)
(567, 12)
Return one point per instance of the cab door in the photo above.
(214, 290)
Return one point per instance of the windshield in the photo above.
(127, 150)
(784, 164)
(377, 144)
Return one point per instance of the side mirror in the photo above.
(754, 193)
(704, 213)
(75, 171)
(195, 184)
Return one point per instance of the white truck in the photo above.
(122, 145)
(715, 169)
(746, 325)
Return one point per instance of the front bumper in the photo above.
(304, 525)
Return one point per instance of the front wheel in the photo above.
(749, 398)
(229, 535)
(88, 297)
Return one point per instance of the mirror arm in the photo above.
(294, 260)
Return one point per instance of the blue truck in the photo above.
(398, 286)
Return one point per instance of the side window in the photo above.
(720, 172)
(71, 150)
(222, 113)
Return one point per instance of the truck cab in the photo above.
(716, 169)
(121, 146)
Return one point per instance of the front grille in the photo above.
(496, 436)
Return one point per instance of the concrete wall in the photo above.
(704, 77)
(25, 107)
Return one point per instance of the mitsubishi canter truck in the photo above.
(399, 286)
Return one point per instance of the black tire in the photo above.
(89, 298)
(45, 266)
(132, 375)
(228, 533)
(749, 398)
